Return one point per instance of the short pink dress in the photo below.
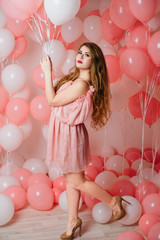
(68, 143)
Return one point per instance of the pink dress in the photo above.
(68, 144)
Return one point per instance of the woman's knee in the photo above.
(76, 181)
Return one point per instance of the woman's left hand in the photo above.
(46, 64)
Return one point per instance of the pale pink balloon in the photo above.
(22, 175)
(121, 14)
(138, 37)
(117, 163)
(135, 180)
(40, 197)
(11, 11)
(147, 174)
(143, 10)
(17, 110)
(90, 201)
(131, 235)
(40, 109)
(101, 213)
(53, 174)
(27, 7)
(39, 178)
(106, 180)
(7, 42)
(91, 172)
(135, 165)
(17, 194)
(17, 27)
(26, 128)
(56, 192)
(92, 25)
(146, 222)
(144, 189)
(20, 47)
(133, 211)
(114, 70)
(153, 48)
(35, 165)
(72, 30)
(6, 181)
(134, 63)
(60, 183)
(3, 99)
(154, 232)
(150, 204)
(110, 32)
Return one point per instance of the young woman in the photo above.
(82, 92)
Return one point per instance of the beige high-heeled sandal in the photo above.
(70, 237)
(122, 213)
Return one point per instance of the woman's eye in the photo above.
(79, 52)
(87, 55)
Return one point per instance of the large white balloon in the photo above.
(7, 42)
(61, 11)
(6, 209)
(13, 78)
(35, 165)
(63, 202)
(10, 137)
(101, 213)
(56, 50)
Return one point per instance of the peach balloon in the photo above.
(91, 172)
(150, 204)
(131, 235)
(144, 189)
(153, 48)
(17, 27)
(154, 232)
(146, 222)
(22, 175)
(27, 7)
(20, 47)
(18, 195)
(60, 183)
(121, 14)
(56, 192)
(39, 178)
(40, 196)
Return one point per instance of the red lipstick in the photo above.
(79, 61)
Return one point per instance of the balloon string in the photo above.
(33, 31)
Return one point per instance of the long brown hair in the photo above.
(100, 82)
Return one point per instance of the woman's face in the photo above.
(83, 58)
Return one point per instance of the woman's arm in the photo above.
(68, 95)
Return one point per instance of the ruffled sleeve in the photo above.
(76, 112)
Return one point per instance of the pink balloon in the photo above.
(20, 47)
(154, 232)
(130, 235)
(129, 172)
(38, 77)
(150, 204)
(83, 2)
(120, 51)
(22, 175)
(149, 153)
(39, 178)
(11, 11)
(17, 194)
(144, 189)
(123, 187)
(146, 222)
(121, 14)
(17, 27)
(117, 163)
(132, 149)
(27, 7)
(97, 162)
(40, 109)
(110, 32)
(143, 10)
(132, 156)
(17, 110)
(60, 183)
(56, 192)
(134, 63)
(3, 99)
(153, 48)
(90, 201)
(40, 196)
(91, 172)
(138, 37)
(106, 180)
(114, 70)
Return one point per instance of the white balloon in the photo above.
(92, 28)
(133, 211)
(72, 30)
(6, 181)
(26, 128)
(101, 213)
(63, 202)
(13, 78)
(56, 50)
(6, 209)
(147, 174)
(61, 11)
(35, 165)
(3, 19)
(69, 62)
(137, 164)
(7, 42)
(10, 137)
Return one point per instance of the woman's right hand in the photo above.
(46, 64)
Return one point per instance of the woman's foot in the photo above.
(118, 208)
(71, 228)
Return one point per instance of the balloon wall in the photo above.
(126, 152)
